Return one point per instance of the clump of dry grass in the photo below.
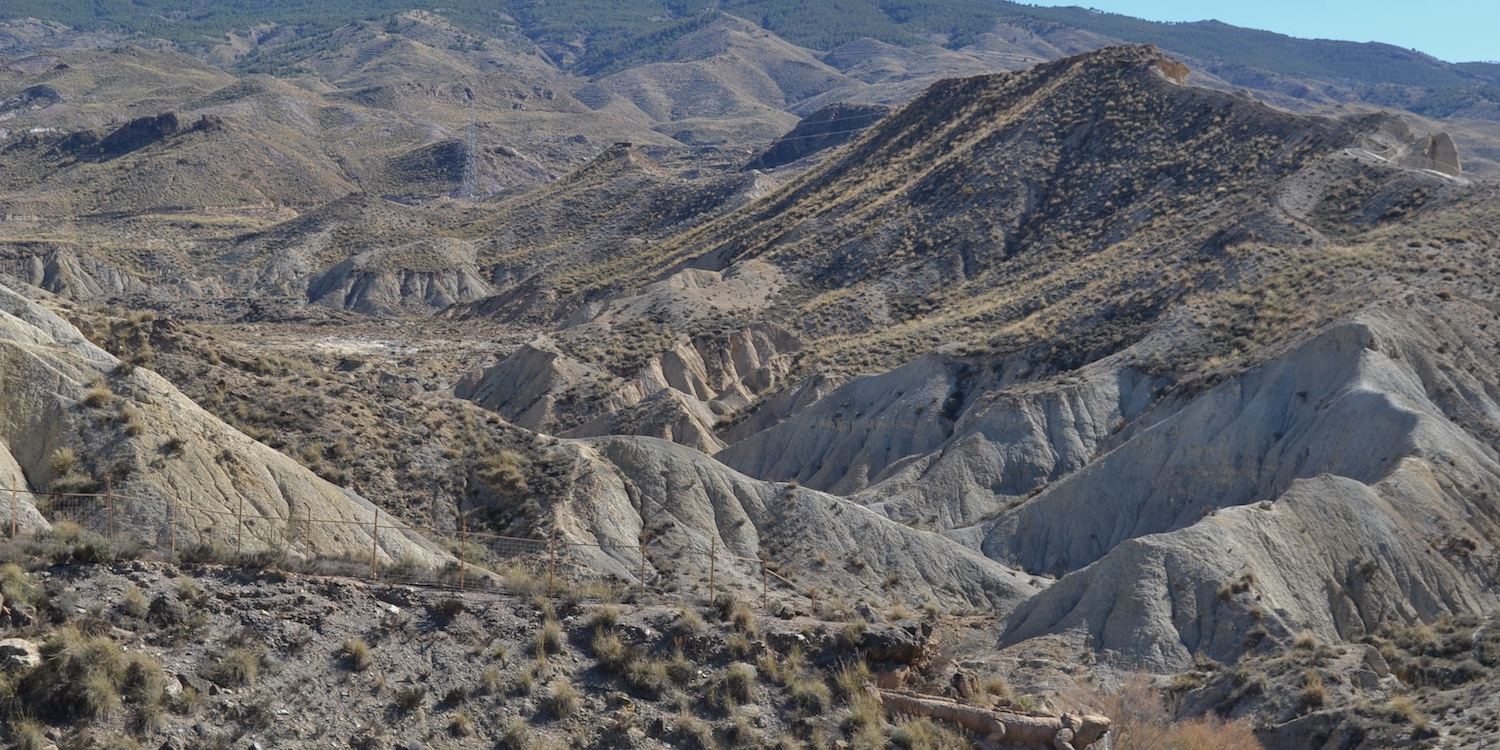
(358, 654)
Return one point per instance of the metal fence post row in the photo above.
(765, 586)
(172, 511)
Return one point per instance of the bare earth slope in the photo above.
(132, 430)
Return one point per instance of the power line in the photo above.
(820, 135)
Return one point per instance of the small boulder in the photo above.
(167, 611)
(1375, 662)
(893, 679)
(18, 614)
(19, 653)
(906, 643)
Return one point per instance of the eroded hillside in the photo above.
(1153, 377)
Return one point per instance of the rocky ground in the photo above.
(137, 653)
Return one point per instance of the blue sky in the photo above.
(1452, 30)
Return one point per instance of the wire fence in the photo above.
(369, 548)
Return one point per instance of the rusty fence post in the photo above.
(642, 574)
(14, 509)
(307, 532)
(765, 586)
(463, 547)
(239, 523)
(173, 512)
(375, 546)
(109, 499)
(713, 565)
(552, 562)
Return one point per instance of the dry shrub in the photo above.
(549, 640)
(1210, 733)
(360, 656)
(1139, 716)
(1142, 718)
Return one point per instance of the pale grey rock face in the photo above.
(843, 441)
(1342, 486)
(68, 271)
(681, 393)
(1244, 441)
(947, 441)
(627, 484)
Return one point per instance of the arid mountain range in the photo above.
(1178, 359)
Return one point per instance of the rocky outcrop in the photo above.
(130, 429)
(1327, 408)
(847, 438)
(945, 440)
(32, 97)
(536, 386)
(668, 414)
(139, 133)
(1443, 153)
(19, 654)
(1010, 442)
(681, 393)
